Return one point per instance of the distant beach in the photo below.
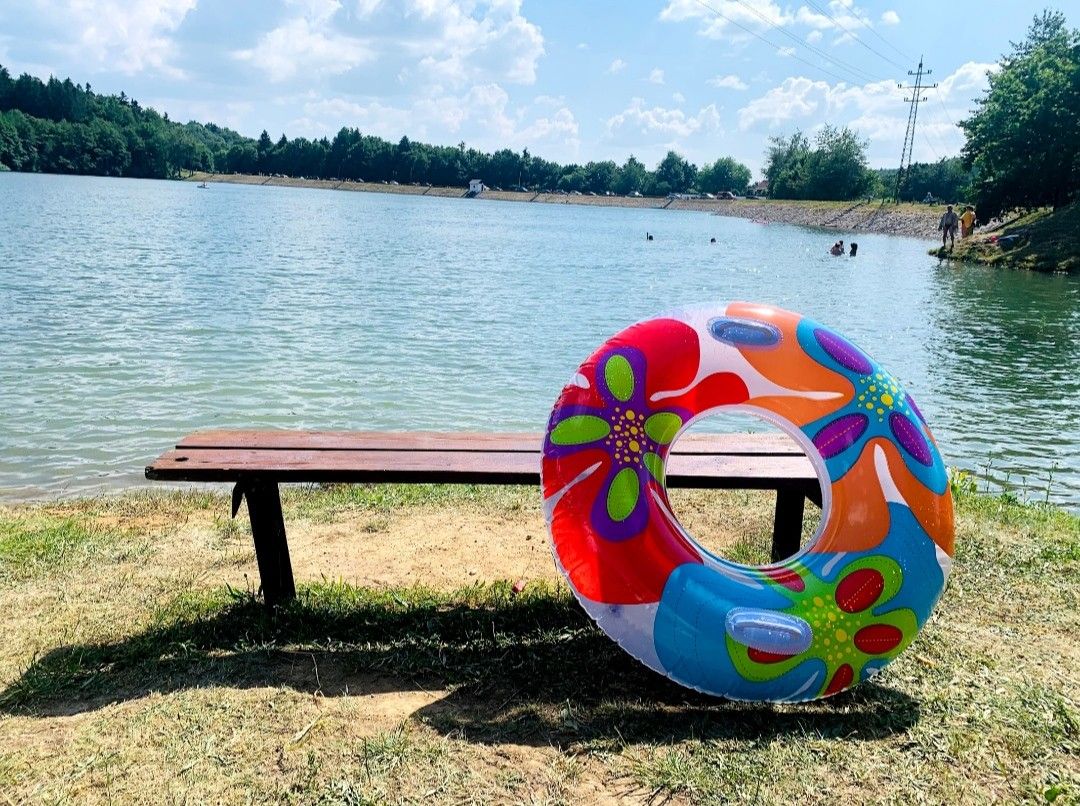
(914, 220)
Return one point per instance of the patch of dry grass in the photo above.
(136, 665)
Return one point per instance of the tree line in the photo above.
(62, 127)
(1022, 147)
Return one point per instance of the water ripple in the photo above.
(132, 312)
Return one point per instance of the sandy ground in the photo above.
(853, 217)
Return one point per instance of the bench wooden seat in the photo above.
(257, 461)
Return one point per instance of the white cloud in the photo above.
(890, 17)
(678, 98)
(730, 82)
(582, 45)
(656, 76)
(814, 37)
(318, 11)
(301, 45)
(657, 120)
(617, 66)
(757, 16)
(484, 116)
(785, 51)
(127, 36)
(437, 45)
(464, 41)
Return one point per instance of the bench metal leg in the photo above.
(271, 547)
(787, 526)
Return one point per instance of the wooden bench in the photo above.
(256, 462)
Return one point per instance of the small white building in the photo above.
(476, 186)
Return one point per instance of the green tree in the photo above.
(837, 168)
(264, 149)
(675, 173)
(600, 176)
(786, 166)
(632, 177)
(833, 169)
(724, 174)
(1023, 141)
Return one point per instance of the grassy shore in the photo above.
(915, 220)
(135, 665)
(1043, 240)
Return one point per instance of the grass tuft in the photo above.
(35, 544)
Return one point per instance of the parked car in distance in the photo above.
(708, 196)
(726, 194)
(633, 194)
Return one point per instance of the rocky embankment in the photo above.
(905, 219)
(914, 220)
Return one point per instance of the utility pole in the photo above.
(913, 112)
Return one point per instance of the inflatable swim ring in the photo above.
(811, 626)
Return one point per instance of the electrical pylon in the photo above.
(913, 113)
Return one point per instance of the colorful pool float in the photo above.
(808, 627)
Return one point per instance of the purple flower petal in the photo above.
(840, 434)
(911, 439)
(843, 352)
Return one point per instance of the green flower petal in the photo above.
(579, 429)
(619, 376)
(655, 465)
(623, 494)
(663, 426)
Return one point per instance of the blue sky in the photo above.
(570, 81)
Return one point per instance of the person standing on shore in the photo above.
(967, 222)
(947, 225)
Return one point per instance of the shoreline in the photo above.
(910, 220)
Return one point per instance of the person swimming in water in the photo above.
(854, 249)
(837, 249)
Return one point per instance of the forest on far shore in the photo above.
(58, 126)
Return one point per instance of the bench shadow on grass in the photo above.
(530, 669)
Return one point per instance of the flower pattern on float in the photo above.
(879, 407)
(631, 439)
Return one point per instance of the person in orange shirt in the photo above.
(967, 222)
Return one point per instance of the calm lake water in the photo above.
(132, 312)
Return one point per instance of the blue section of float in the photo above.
(691, 640)
(700, 604)
(911, 547)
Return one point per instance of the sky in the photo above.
(570, 81)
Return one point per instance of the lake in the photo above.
(132, 312)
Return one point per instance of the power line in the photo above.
(873, 30)
(770, 44)
(948, 117)
(853, 35)
(855, 71)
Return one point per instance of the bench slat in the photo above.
(467, 467)
(740, 444)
